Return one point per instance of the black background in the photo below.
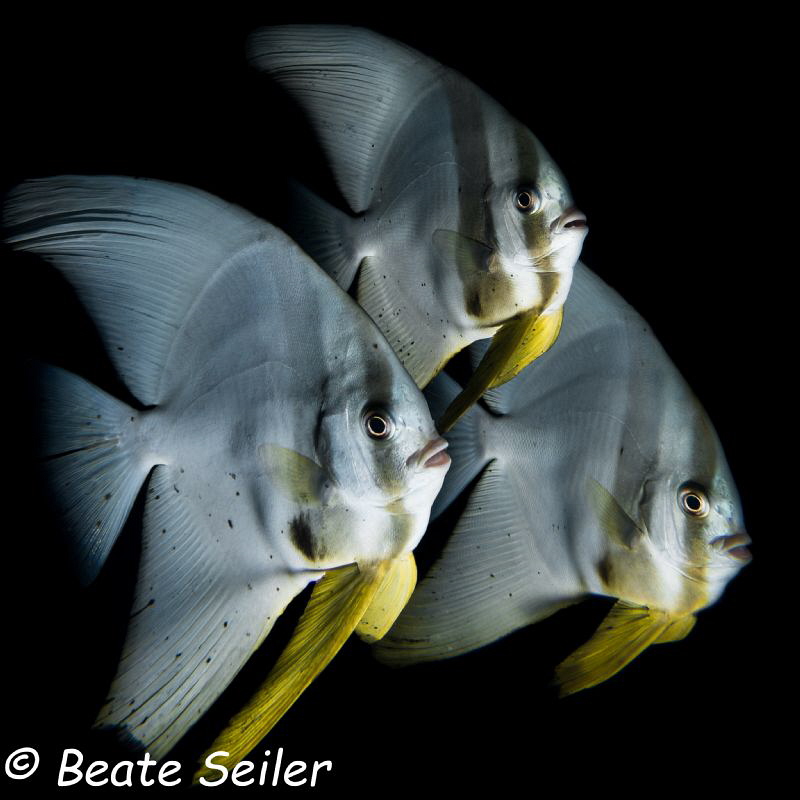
(652, 118)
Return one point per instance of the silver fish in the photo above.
(600, 473)
(462, 227)
(279, 439)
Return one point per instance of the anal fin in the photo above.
(422, 348)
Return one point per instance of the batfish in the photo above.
(276, 436)
(598, 472)
(460, 226)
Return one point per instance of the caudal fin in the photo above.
(88, 446)
(324, 233)
(465, 441)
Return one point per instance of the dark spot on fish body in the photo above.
(474, 306)
(605, 571)
(303, 539)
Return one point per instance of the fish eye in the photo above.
(378, 424)
(693, 501)
(527, 200)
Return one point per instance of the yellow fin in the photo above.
(337, 603)
(615, 521)
(679, 629)
(514, 346)
(297, 476)
(390, 599)
(626, 631)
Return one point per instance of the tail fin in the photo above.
(88, 444)
(322, 231)
(465, 440)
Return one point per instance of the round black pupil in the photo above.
(693, 502)
(376, 426)
(524, 200)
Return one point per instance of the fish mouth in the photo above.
(734, 546)
(432, 455)
(572, 219)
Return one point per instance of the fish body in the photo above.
(460, 223)
(600, 473)
(270, 450)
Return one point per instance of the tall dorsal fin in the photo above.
(137, 252)
(356, 86)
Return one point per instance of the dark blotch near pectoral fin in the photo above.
(302, 536)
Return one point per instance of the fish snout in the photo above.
(734, 546)
(432, 455)
(571, 220)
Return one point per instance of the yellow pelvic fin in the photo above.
(514, 346)
(626, 631)
(615, 521)
(297, 476)
(677, 630)
(390, 599)
(337, 603)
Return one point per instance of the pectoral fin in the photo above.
(339, 600)
(454, 248)
(614, 520)
(390, 599)
(623, 634)
(297, 476)
(514, 346)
